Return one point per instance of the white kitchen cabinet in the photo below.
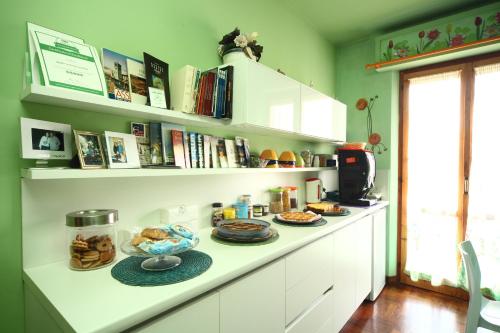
(256, 302)
(379, 253)
(264, 98)
(364, 258)
(309, 274)
(321, 115)
(344, 275)
(200, 316)
(316, 319)
(352, 269)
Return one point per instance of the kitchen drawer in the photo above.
(309, 273)
(317, 319)
(205, 310)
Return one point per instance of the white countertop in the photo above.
(94, 301)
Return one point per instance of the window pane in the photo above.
(434, 120)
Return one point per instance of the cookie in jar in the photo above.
(91, 238)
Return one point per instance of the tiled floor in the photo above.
(409, 310)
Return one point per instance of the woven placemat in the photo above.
(271, 239)
(129, 271)
(318, 223)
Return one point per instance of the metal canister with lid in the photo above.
(91, 238)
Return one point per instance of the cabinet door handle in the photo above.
(328, 290)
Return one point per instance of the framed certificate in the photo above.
(68, 64)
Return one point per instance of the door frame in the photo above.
(467, 85)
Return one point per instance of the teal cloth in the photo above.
(129, 271)
(318, 223)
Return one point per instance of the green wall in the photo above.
(354, 82)
(179, 32)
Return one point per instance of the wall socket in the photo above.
(182, 214)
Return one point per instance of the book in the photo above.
(232, 160)
(221, 94)
(201, 93)
(137, 81)
(178, 147)
(241, 151)
(195, 90)
(116, 75)
(213, 152)
(166, 137)
(183, 85)
(193, 150)
(157, 82)
(206, 150)
(141, 132)
(228, 102)
(199, 149)
(221, 151)
(208, 96)
(155, 143)
(187, 158)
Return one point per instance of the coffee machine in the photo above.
(356, 176)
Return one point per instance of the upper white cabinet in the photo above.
(256, 302)
(264, 99)
(321, 115)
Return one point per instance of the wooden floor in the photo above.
(409, 310)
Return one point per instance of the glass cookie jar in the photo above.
(91, 238)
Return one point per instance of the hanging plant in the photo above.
(374, 139)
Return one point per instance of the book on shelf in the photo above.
(187, 157)
(227, 111)
(206, 151)
(166, 136)
(193, 150)
(232, 160)
(157, 82)
(178, 148)
(141, 132)
(116, 75)
(221, 151)
(199, 149)
(242, 151)
(183, 87)
(155, 143)
(137, 81)
(214, 153)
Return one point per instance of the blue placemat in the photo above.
(129, 271)
(318, 223)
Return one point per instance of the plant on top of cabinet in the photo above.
(236, 42)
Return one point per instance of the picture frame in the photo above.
(90, 150)
(45, 140)
(121, 150)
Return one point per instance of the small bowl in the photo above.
(226, 228)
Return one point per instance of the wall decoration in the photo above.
(374, 139)
(235, 41)
(483, 25)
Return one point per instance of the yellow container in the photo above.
(229, 213)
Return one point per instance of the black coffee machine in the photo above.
(356, 176)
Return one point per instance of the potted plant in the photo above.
(236, 44)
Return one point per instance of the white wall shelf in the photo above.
(56, 173)
(79, 100)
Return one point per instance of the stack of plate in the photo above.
(243, 230)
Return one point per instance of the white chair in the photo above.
(482, 312)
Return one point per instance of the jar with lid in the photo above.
(276, 203)
(258, 210)
(286, 199)
(91, 238)
(247, 199)
(241, 210)
(217, 213)
(293, 197)
(229, 213)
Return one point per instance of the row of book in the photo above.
(208, 93)
(146, 82)
(170, 145)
